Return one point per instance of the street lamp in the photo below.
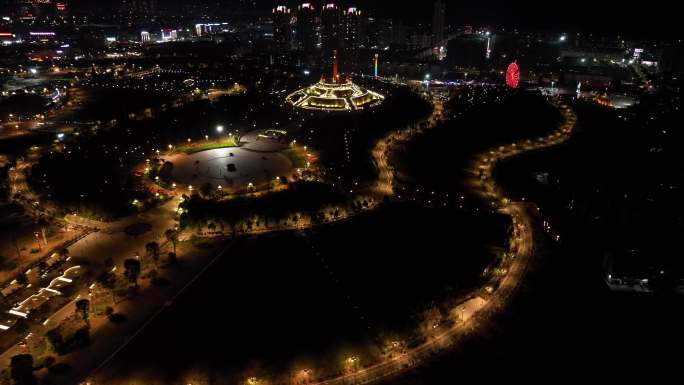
(219, 129)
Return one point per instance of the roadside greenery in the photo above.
(301, 197)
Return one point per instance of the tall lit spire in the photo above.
(335, 77)
(376, 65)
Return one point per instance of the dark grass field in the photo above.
(437, 159)
(286, 298)
(613, 186)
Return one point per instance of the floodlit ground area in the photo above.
(232, 167)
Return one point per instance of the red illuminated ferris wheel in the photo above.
(513, 75)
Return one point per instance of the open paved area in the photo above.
(231, 167)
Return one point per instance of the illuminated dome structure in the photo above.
(334, 94)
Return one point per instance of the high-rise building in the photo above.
(306, 28)
(168, 34)
(352, 29)
(282, 28)
(438, 23)
(203, 29)
(331, 28)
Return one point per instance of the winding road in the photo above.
(526, 245)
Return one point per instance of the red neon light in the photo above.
(513, 75)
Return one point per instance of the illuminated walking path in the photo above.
(476, 312)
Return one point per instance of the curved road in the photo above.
(525, 244)
(474, 312)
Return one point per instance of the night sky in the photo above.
(578, 15)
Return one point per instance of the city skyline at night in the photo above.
(260, 192)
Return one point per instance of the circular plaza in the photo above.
(231, 168)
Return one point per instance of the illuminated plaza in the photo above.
(231, 168)
(335, 94)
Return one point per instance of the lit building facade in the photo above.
(306, 28)
(282, 28)
(332, 36)
(353, 29)
(336, 93)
